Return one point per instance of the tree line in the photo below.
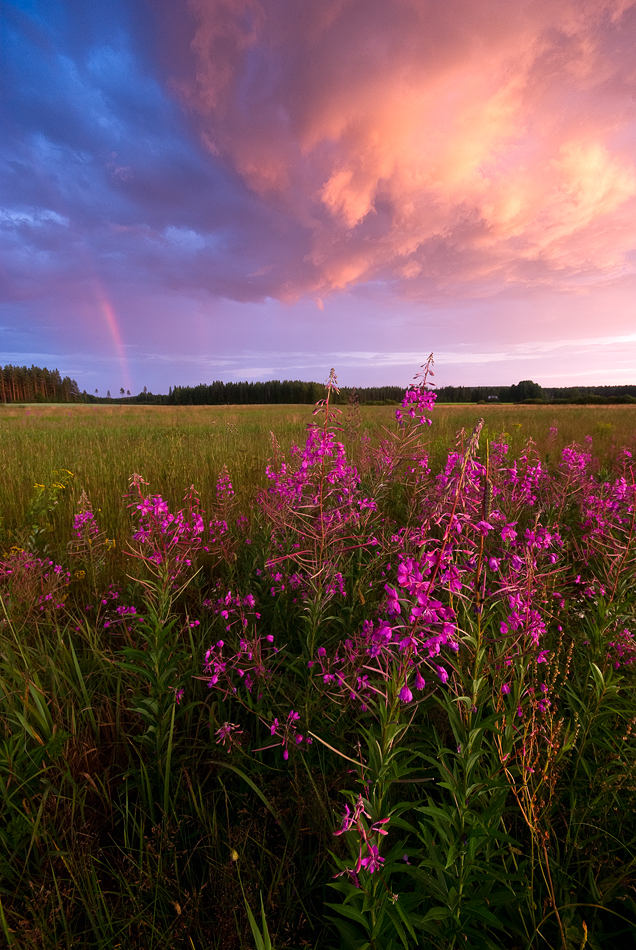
(274, 391)
(33, 384)
(527, 391)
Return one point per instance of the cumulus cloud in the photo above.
(425, 143)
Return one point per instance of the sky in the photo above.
(194, 190)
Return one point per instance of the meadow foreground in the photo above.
(383, 681)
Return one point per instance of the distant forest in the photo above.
(20, 384)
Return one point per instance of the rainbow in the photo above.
(108, 312)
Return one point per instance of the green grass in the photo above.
(174, 447)
(123, 824)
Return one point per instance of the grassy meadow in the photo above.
(375, 692)
(174, 447)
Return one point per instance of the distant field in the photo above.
(174, 447)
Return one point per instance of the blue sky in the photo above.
(253, 189)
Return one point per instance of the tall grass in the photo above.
(103, 446)
(234, 705)
(173, 447)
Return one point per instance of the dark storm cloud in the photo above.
(100, 171)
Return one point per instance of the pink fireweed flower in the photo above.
(483, 527)
(416, 402)
(350, 819)
(84, 525)
(228, 734)
(347, 822)
(373, 859)
(409, 643)
(392, 604)
(406, 695)
(408, 572)
(420, 682)
(623, 649)
(224, 490)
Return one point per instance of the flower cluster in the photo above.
(622, 649)
(368, 836)
(228, 735)
(85, 526)
(167, 541)
(417, 401)
(32, 586)
(245, 660)
(287, 732)
(337, 499)
(224, 489)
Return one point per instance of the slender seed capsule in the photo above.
(487, 500)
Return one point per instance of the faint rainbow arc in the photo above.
(108, 312)
(103, 302)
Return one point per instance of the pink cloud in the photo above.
(456, 144)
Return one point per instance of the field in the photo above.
(172, 448)
(377, 691)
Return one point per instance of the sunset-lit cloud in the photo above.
(426, 142)
(227, 187)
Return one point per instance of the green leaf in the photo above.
(438, 913)
(349, 912)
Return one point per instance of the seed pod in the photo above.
(487, 500)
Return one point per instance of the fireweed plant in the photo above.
(397, 701)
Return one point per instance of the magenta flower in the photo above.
(483, 527)
(392, 603)
(228, 734)
(347, 821)
(405, 694)
(407, 643)
(373, 860)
